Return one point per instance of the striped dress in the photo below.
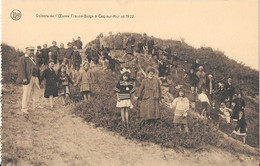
(124, 90)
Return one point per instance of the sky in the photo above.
(230, 26)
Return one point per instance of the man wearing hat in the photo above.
(29, 74)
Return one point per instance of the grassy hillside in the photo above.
(10, 58)
(214, 62)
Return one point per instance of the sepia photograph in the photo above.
(129, 83)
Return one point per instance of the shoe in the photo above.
(24, 111)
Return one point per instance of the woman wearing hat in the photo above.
(149, 95)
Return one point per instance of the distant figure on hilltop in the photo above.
(78, 43)
(54, 52)
(130, 45)
(230, 91)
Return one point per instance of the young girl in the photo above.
(241, 126)
(124, 89)
(225, 112)
(51, 89)
(181, 106)
(204, 101)
(64, 89)
(86, 81)
(214, 114)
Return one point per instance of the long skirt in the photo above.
(149, 109)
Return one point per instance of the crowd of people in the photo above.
(217, 99)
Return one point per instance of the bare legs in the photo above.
(125, 115)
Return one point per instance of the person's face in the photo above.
(191, 71)
(181, 93)
(175, 53)
(240, 114)
(78, 38)
(125, 77)
(30, 52)
(223, 105)
(200, 69)
(150, 74)
(213, 104)
(61, 45)
(203, 92)
(54, 43)
(229, 80)
(51, 65)
(45, 46)
(197, 61)
(239, 95)
(63, 69)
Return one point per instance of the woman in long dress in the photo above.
(150, 95)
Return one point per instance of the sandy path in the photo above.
(45, 137)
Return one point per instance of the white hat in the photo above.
(201, 67)
(210, 75)
(30, 48)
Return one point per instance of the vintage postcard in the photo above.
(127, 82)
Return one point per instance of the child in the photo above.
(61, 53)
(214, 114)
(124, 89)
(86, 81)
(54, 51)
(194, 79)
(51, 89)
(204, 100)
(64, 84)
(181, 106)
(241, 128)
(225, 112)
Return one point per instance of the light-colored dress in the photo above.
(149, 94)
(181, 105)
(86, 80)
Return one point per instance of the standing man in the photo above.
(54, 52)
(229, 91)
(78, 43)
(29, 75)
(150, 44)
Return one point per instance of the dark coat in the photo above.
(45, 55)
(150, 43)
(51, 83)
(230, 90)
(194, 79)
(25, 70)
(239, 106)
(68, 53)
(241, 124)
(62, 52)
(79, 44)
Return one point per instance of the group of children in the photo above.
(59, 84)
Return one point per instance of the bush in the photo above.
(102, 112)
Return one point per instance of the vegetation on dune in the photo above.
(102, 112)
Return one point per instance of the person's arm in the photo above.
(22, 71)
(69, 79)
(141, 89)
(42, 76)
